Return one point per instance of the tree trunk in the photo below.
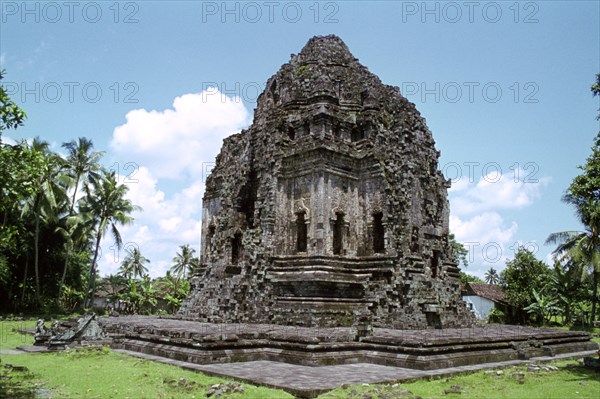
(594, 297)
(92, 277)
(567, 315)
(64, 274)
(36, 259)
(74, 194)
(25, 279)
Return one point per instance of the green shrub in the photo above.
(496, 316)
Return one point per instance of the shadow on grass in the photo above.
(580, 373)
(16, 382)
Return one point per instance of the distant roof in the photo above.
(488, 291)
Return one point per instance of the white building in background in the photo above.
(481, 299)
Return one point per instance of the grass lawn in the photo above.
(106, 374)
(10, 339)
(101, 373)
(570, 381)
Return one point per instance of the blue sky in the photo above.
(504, 86)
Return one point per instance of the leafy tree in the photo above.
(21, 168)
(106, 203)
(460, 257)
(173, 290)
(491, 276)
(149, 295)
(466, 278)
(459, 250)
(133, 265)
(11, 116)
(70, 298)
(81, 163)
(543, 307)
(134, 297)
(564, 285)
(75, 229)
(142, 295)
(585, 188)
(184, 261)
(48, 194)
(522, 276)
(596, 90)
(15, 171)
(582, 248)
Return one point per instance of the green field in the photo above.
(570, 381)
(102, 373)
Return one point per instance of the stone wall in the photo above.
(330, 209)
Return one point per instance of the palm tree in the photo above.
(184, 261)
(133, 264)
(81, 163)
(581, 248)
(46, 199)
(75, 229)
(105, 202)
(491, 276)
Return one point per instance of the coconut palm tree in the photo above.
(184, 261)
(81, 163)
(75, 230)
(582, 248)
(105, 202)
(491, 276)
(133, 265)
(47, 197)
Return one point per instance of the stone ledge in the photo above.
(206, 343)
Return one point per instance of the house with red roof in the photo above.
(481, 299)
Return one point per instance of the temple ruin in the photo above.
(325, 243)
(330, 209)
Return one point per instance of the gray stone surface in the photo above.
(12, 351)
(32, 349)
(309, 382)
(330, 210)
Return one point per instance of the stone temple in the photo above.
(330, 209)
(325, 243)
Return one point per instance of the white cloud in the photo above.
(8, 140)
(484, 228)
(489, 239)
(459, 185)
(477, 221)
(165, 223)
(493, 192)
(166, 145)
(175, 143)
